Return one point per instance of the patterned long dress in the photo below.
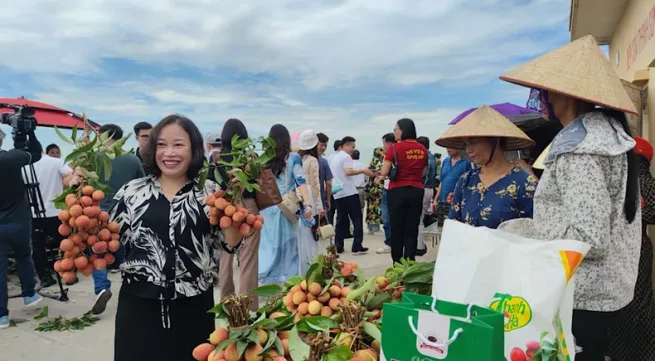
(374, 193)
(633, 337)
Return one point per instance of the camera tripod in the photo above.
(51, 243)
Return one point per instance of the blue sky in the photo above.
(339, 67)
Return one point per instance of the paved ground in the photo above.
(96, 343)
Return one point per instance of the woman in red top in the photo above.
(405, 164)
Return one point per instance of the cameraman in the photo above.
(15, 220)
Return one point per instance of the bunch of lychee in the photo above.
(225, 214)
(365, 354)
(90, 236)
(348, 268)
(253, 352)
(382, 285)
(312, 299)
(518, 354)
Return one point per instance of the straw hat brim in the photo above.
(579, 70)
(458, 142)
(487, 123)
(539, 163)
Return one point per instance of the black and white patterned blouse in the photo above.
(170, 247)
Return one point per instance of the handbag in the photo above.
(326, 231)
(393, 173)
(322, 230)
(269, 194)
(290, 202)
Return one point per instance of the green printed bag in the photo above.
(423, 329)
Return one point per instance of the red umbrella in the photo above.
(48, 115)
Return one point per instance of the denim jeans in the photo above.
(385, 219)
(17, 235)
(100, 280)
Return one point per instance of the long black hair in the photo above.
(313, 152)
(632, 186)
(407, 128)
(231, 128)
(280, 135)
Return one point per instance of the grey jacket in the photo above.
(581, 196)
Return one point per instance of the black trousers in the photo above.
(139, 324)
(591, 330)
(332, 212)
(349, 207)
(405, 209)
(45, 238)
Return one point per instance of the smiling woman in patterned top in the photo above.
(497, 190)
(171, 249)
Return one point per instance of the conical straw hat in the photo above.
(540, 162)
(485, 122)
(580, 70)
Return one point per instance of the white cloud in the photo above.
(312, 50)
(326, 43)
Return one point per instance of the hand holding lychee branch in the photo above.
(246, 166)
(91, 158)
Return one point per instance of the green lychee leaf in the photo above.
(223, 345)
(298, 349)
(339, 353)
(315, 324)
(241, 347)
(63, 137)
(267, 290)
(373, 330)
(270, 342)
(279, 347)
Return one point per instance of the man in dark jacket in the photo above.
(15, 221)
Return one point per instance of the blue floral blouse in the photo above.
(510, 197)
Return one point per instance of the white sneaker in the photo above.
(383, 250)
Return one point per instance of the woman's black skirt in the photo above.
(633, 337)
(141, 336)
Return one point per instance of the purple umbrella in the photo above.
(507, 109)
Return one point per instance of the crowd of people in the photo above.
(586, 186)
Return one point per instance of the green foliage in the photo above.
(415, 277)
(315, 324)
(61, 323)
(246, 165)
(93, 156)
(549, 351)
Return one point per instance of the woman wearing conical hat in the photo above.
(633, 336)
(589, 190)
(496, 190)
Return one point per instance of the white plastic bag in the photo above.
(530, 280)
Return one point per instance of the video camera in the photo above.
(22, 121)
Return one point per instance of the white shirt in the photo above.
(360, 179)
(49, 173)
(338, 165)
